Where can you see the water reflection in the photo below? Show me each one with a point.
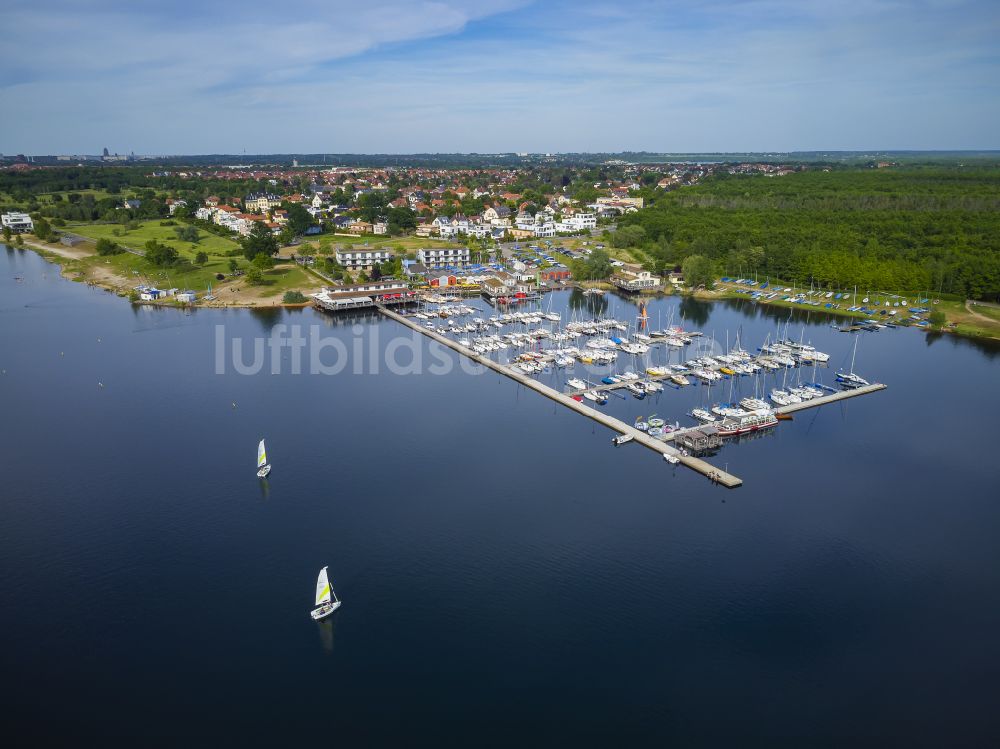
(592, 304)
(268, 317)
(326, 629)
(695, 310)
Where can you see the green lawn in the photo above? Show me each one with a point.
(188, 276)
(182, 276)
(288, 278)
(137, 238)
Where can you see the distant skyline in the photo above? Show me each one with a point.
(387, 76)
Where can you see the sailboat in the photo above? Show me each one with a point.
(324, 605)
(263, 467)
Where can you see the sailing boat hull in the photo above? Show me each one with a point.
(321, 612)
(262, 473)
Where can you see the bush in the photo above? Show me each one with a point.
(937, 318)
(293, 297)
(168, 222)
(201, 258)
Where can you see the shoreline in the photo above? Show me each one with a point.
(65, 257)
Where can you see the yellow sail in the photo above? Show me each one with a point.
(261, 455)
(322, 588)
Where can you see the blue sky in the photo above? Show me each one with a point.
(504, 75)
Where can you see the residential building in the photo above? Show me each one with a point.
(622, 204)
(444, 257)
(173, 205)
(362, 259)
(261, 202)
(18, 223)
(576, 223)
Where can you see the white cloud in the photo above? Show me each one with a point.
(715, 75)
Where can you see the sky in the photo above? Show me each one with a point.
(409, 76)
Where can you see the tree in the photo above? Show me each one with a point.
(263, 262)
(254, 276)
(698, 271)
(43, 230)
(937, 318)
(201, 258)
(188, 234)
(7, 234)
(233, 265)
(598, 266)
(299, 219)
(105, 246)
(376, 273)
(160, 254)
(628, 236)
(260, 241)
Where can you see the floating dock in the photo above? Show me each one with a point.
(660, 445)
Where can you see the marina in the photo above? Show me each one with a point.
(659, 438)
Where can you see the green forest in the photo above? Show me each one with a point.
(934, 229)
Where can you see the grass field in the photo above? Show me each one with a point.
(210, 243)
(277, 281)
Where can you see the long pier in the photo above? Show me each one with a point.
(832, 397)
(660, 445)
(697, 464)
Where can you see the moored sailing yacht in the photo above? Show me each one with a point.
(702, 415)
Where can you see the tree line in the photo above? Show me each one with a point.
(908, 229)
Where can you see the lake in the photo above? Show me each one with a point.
(509, 578)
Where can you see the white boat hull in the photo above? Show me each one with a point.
(321, 612)
(262, 473)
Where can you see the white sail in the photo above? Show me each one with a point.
(322, 588)
(261, 455)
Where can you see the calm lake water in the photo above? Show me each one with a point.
(509, 578)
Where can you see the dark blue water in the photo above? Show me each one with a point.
(508, 577)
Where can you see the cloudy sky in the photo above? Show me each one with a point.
(401, 76)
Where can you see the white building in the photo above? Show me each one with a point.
(362, 259)
(443, 257)
(629, 281)
(579, 222)
(18, 223)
